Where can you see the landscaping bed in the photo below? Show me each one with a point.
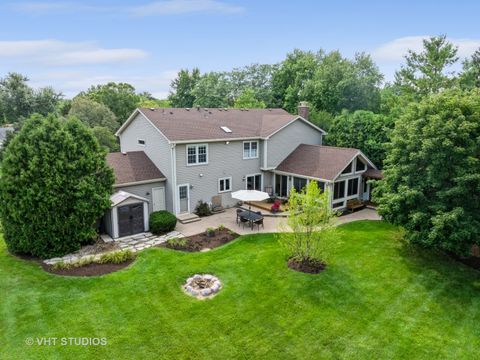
(209, 239)
(306, 266)
(93, 269)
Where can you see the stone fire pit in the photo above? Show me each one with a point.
(202, 286)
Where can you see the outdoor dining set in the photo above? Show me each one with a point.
(249, 217)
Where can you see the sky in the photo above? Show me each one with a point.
(71, 45)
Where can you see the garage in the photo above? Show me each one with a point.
(127, 216)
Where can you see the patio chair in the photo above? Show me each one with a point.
(259, 222)
(276, 206)
(239, 211)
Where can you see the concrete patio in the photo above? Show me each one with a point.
(272, 224)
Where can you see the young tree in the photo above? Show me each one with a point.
(431, 182)
(247, 100)
(55, 185)
(363, 130)
(181, 94)
(311, 220)
(93, 114)
(120, 98)
(426, 72)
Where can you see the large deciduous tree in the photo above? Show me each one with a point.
(470, 76)
(213, 90)
(120, 98)
(55, 185)
(92, 113)
(363, 130)
(18, 100)
(431, 180)
(427, 72)
(181, 94)
(247, 100)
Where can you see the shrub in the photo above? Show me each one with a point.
(210, 232)
(202, 209)
(116, 257)
(162, 222)
(55, 185)
(177, 242)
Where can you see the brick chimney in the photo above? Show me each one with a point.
(303, 109)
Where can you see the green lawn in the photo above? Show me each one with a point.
(375, 300)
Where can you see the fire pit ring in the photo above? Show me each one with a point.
(202, 286)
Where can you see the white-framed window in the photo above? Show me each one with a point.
(197, 154)
(250, 149)
(348, 170)
(352, 188)
(225, 184)
(339, 190)
(141, 142)
(360, 165)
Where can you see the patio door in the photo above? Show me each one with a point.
(183, 199)
(281, 185)
(254, 182)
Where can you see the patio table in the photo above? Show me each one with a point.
(250, 216)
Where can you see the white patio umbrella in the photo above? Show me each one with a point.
(250, 195)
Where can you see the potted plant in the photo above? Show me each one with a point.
(210, 232)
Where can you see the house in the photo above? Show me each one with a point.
(173, 158)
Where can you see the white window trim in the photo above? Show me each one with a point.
(224, 178)
(358, 188)
(344, 191)
(250, 150)
(261, 180)
(360, 171)
(196, 146)
(351, 172)
(346, 197)
(144, 142)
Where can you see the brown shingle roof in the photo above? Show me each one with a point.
(373, 174)
(322, 162)
(179, 124)
(133, 167)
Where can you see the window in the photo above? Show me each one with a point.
(339, 190)
(224, 184)
(250, 149)
(299, 183)
(348, 169)
(254, 182)
(352, 187)
(141, 142)
(337, 204)
(197, 154)
(360, 165)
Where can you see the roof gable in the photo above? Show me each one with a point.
(318, 161)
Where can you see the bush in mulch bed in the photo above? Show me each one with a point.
(107, 263)
(309, 266)
(209, 239)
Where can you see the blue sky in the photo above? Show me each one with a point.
(71, 45)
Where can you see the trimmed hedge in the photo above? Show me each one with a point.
(162, 222)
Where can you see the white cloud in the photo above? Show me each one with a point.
(155, 8)
(395, 50)
(72, 82)
(55, 52)
(183, 6)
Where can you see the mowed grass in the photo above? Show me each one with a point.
(376, 299)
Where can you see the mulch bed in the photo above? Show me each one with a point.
(472, 261)
(307, 266)
(201, 241)
(87, 270)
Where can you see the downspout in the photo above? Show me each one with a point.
(173, 159)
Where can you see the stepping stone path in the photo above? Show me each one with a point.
(133, 243)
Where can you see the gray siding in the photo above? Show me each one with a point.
(223, 161)
(281, 144)
(142, 190)
(156, 147)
